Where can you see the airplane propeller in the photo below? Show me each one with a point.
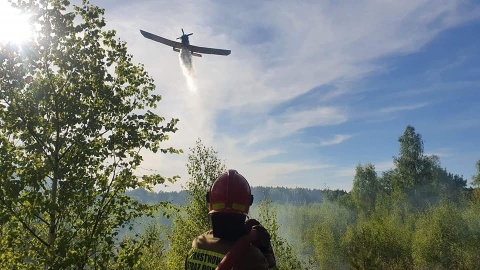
(184, 34)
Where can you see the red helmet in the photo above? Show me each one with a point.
(230, 193)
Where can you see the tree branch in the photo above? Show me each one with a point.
(25, 225)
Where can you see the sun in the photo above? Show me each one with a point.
(14, 26)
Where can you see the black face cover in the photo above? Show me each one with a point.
(228, 226)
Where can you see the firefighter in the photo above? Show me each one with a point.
(233, 242)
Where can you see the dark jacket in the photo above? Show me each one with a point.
(208, 251)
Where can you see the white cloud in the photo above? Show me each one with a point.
(280, 50)
(293, 121)
(275, 174)
(345, 172)
(393, 109)
(339, 138)
(258, 172)
(382, 166)
(349, 171)
(440, 153)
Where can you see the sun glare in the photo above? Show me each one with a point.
(14, 26)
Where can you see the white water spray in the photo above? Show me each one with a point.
(188, 70)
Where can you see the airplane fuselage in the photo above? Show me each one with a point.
(185, 40)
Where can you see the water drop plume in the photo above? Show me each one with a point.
(188, 70)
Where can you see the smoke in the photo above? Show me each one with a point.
(188, 70)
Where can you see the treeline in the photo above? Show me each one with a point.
(414, 216)
(279, 195)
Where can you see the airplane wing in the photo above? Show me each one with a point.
(209, 50)
(162, 40)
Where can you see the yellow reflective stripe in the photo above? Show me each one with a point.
(213, 253)
(239, 207)
(218, 206)
(197, 257)
(235, 206)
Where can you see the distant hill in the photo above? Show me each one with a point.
(145, 196)
(280, 195)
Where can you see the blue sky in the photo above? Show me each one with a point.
(313, 88)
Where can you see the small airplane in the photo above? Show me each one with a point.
(177, 46)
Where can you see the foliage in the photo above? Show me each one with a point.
(417, 179)
(284, 195)
(327, 230)
(449, 187)
(278, 195)
(74, 114)
(285, 256)
(365, 188)
(333, 195)
(145, 196)
(293, 219)
(11, 256)
(191, 220)
(145, 251)
(476, 177)
(413, 177)
(471, 217)
(381, 242)
(383, 223)
(439, 239)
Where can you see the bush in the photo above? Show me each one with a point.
(379, 243)
(440, 236)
